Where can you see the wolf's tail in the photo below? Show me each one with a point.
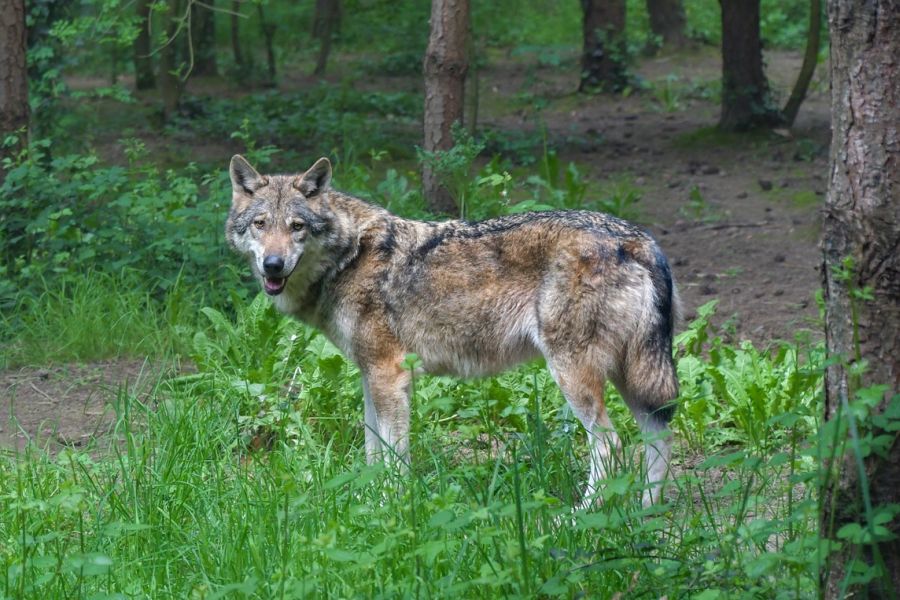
(650, 378)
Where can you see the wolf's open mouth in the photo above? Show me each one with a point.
(274, 285)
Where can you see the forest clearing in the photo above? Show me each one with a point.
(166, 432)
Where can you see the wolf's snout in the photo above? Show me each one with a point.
(273, 265)
(273, 279)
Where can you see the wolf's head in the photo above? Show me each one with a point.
(276, 219)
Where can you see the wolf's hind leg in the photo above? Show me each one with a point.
(583, 388)
(386, 394)
(657, 452)
(650, 390)
(654, 426)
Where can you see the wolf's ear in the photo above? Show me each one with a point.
(244, 178)
(317, 179)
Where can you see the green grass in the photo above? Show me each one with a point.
(176, 505)
(712, 137)
(806, 198)
(181, 509)
(93, 316)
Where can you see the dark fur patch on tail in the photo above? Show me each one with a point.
(661, 276)
(652, 379)
(664, 414)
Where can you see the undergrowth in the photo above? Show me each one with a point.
(248, 479)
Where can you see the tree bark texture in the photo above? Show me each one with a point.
(603, 57)
(144, 77)
(862, 221)
(746, 102)
(203, 38)
(13, 74)
(667, 21)
(445, 75)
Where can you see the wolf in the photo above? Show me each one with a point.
(591, 293)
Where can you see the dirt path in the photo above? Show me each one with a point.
(68, 405)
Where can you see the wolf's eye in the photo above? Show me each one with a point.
(259, 223)
(297, 226)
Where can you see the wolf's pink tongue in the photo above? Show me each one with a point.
(274, 285)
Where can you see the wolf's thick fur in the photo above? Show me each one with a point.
(591, 293)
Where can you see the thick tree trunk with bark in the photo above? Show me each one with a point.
(203, 38)
(862, 221)
(13, 74)
(445, 75)
(603, 57)
(667, 21)
(144, 77)
(746, 102)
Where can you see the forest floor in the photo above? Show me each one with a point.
(738, 215)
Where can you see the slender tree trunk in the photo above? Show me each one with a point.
(144, 78)
(325, 23)
(445, 75)
(203, 38)
(13, 76)
(809, 64)
(268, 32)
(667, 21)
(746, 102)
(170, 84)
(862, 222)
(603, 58)
(236, 34)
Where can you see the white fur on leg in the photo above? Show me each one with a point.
(373, 439)
(395, 437)
(657, 451)
(387, 431)
(603, 445)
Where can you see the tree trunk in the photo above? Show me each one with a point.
(13, 76)
(144, 78)
(170, 84)
(604, 55)
(236, 34)
(810, 58)
(667, 22)
(268, 32)
(746, 102)
(445, 75)
(203, 38)
(325, 23)
(862, 303)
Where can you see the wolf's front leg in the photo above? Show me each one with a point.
(386, 394)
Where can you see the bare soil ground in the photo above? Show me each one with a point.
(69, 405)
(738, 215)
